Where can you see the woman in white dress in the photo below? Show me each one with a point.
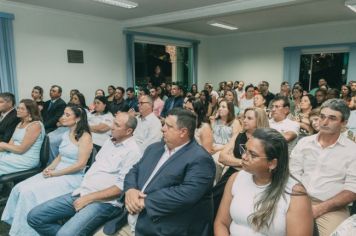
(62, 176)
(263, 199)
(100, 122)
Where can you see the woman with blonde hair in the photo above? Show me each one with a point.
(231, 156)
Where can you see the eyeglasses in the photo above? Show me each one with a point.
(277, 106)
(140, 103)
(248, 154)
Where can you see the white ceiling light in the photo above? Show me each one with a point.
(223, 25)
(351, 4)
(119, 3)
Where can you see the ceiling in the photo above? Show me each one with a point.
(193, 15)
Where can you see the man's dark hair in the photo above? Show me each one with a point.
(185, 119)
(130, 89)
(121, 89)
(281, 98)
(59, 88)
(145, 91)
(8, 97)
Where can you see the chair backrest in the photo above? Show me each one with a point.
(91, 159)
(44, 153)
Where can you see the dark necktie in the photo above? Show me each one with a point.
(50, 105)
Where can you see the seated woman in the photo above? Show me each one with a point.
(224, 126)
(100, 122)
(314, 119)
(307, 104)
(37, 96)
(263, 199)
(231, 96)
(203, 132)
(23, 150)
(62, 176)
(55, 137)
(231, 155)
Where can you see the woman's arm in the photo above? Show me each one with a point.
(100, 128)
(32, 132)
(227, 157)
(85, 146)
(299, 215)
(206, 137)
(236, 127)
(223, 219)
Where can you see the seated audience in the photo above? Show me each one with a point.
(284, 90)
(333, 93)
(118, 104)
(263, 87)
(205, 99)
(23, 150)
(231, 155)
(53, 109)
(94, 202)
(297, 94)
(55, 137)
(345, 93)
(314, 119)
(321, 84)
(230, 96)
(247, 99)
(280, 121)
(158, 103)
(307, 103)
(131, 99)
(325, 163)
(262, 198)
(320, 96)
(169, 191)
(8, 116)
(111, 94)
(203, 133)
(62, 176)
(224, 126)
(37, 96)
(259, 102)
(100, 122)
(148, 129)
(176, 100)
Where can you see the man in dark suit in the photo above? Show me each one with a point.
(8, 116)
(169, 191)
(53, 109)
(176, 100)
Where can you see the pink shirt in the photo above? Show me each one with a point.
(158, 106)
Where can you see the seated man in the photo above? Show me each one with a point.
(148, 129)
(53, 109)
(176, 100)
(169, 191)
(8, 117)
(280, 122)
(93, 202)
(326, 164)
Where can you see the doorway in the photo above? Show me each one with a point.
(330, 66)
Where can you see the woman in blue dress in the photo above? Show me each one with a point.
(23, 150)
(62, 176)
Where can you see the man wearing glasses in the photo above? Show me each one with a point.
(148, 129)
(325, 163)
(280, 122)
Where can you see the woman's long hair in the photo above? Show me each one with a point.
(231, 114)
(82, 125)
(32, 109)
(275, 147)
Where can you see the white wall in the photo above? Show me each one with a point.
(42, 38)
(257, 56)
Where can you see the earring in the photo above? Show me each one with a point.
(29, 119)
